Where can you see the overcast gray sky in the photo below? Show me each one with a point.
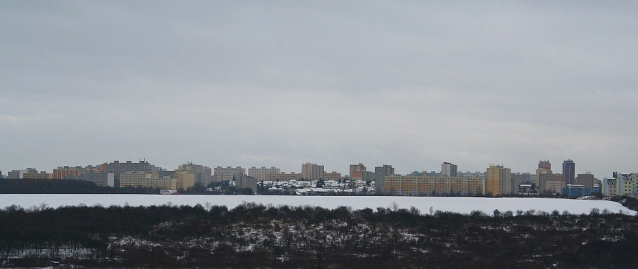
(280, 83)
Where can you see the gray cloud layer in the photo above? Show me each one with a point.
(261, 83)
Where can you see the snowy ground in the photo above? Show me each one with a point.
(424, 204)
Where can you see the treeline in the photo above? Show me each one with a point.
(258, 236)
(64, 186)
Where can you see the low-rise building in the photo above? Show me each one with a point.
(574, 190)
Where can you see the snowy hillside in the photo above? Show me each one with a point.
(424, 204)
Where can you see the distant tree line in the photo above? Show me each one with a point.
(64, 186)
(259, 236)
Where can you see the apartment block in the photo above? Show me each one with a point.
(117, 168)
(19, 174)
(544, 167)
(227, 173)
(67, 172)
(147, 179)
(32, 174)
(586, 180)
(184, 179)
(312, 171)
(102, 179)
(380, 174)
(356, 168)
(551, 183)
(366, 176)
(498, 181)
(203, 174)
(448, 169)
(244, 181)
(332, 176)
(283, 177)
(434, 185)
(260, 173)
(611, 186)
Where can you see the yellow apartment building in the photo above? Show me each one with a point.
(184, 179)
(434, 185)
(498, 180)
(147, 179)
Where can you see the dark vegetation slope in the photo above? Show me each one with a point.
(258, 236)
(626, 201)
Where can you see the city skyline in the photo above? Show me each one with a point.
(411, 84)
(308, 166)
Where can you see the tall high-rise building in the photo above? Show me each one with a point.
(545, 164)
(312, 171)
(498, 180)
(380, 172)
(544, 167)
(569, 171)
(356, 167)
(448, 169)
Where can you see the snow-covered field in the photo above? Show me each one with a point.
(424, 204)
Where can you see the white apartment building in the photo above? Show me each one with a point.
(260, 173)
(227, 173)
